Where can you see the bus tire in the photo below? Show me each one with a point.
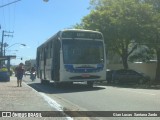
(44, 81)
(68, 83)
(90, 83)
(57, 84)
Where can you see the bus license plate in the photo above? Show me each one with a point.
(85, 75)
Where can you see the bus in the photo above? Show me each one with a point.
(72, 55)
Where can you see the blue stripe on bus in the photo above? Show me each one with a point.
(70, 68)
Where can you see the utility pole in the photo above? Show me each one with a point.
(4, 35)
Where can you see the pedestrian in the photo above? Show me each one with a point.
(19, 71)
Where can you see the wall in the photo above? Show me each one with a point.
(147, 68)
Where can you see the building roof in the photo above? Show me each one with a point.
(7, 57)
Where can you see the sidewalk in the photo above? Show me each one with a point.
(22, 99)
(13, 98)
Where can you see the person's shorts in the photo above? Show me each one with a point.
(19, 76)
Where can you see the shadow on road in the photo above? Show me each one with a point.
(133, 86)
(50, 88)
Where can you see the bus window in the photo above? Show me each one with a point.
(83, 52)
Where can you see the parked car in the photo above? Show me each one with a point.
(129, 76)
(109, 75)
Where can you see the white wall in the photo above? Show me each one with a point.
(147, 68)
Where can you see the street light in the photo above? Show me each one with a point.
(45, 0)
(13, 45)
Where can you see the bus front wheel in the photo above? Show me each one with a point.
(90, 83)
(44, 81)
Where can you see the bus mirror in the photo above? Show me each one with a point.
(102, 60)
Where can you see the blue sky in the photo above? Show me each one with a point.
(34, 21)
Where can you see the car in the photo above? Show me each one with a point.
(27, 73)
(109, 75)
(129, 76)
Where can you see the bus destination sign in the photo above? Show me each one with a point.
(89, 35)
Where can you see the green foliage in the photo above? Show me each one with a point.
(153, 30)
(121, 22)
(143, 54)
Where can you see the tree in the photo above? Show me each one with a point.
(152, 32)
(120, 21)
(143, 54)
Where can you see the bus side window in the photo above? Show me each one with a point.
(50, 50)
(42, 53)
(38, 57)
(56, 59)
(45, 55)
(57, 49)
(58, 44)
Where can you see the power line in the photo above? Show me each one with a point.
(14, 16)
(4, 35)
(9, 3)
(8, 17)
(15, 2)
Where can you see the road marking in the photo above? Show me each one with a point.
(138, 92)
(54, 104)
(51, 102)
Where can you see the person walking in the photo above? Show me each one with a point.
(19, 71)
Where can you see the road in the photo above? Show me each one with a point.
(101, 98)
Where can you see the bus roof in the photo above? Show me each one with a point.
(65, 30)
(80, 30)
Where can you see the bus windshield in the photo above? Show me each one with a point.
(82, 51)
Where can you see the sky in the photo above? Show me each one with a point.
(34, 21)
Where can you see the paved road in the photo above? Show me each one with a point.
(102, 98)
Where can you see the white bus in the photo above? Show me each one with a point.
(72, 56)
